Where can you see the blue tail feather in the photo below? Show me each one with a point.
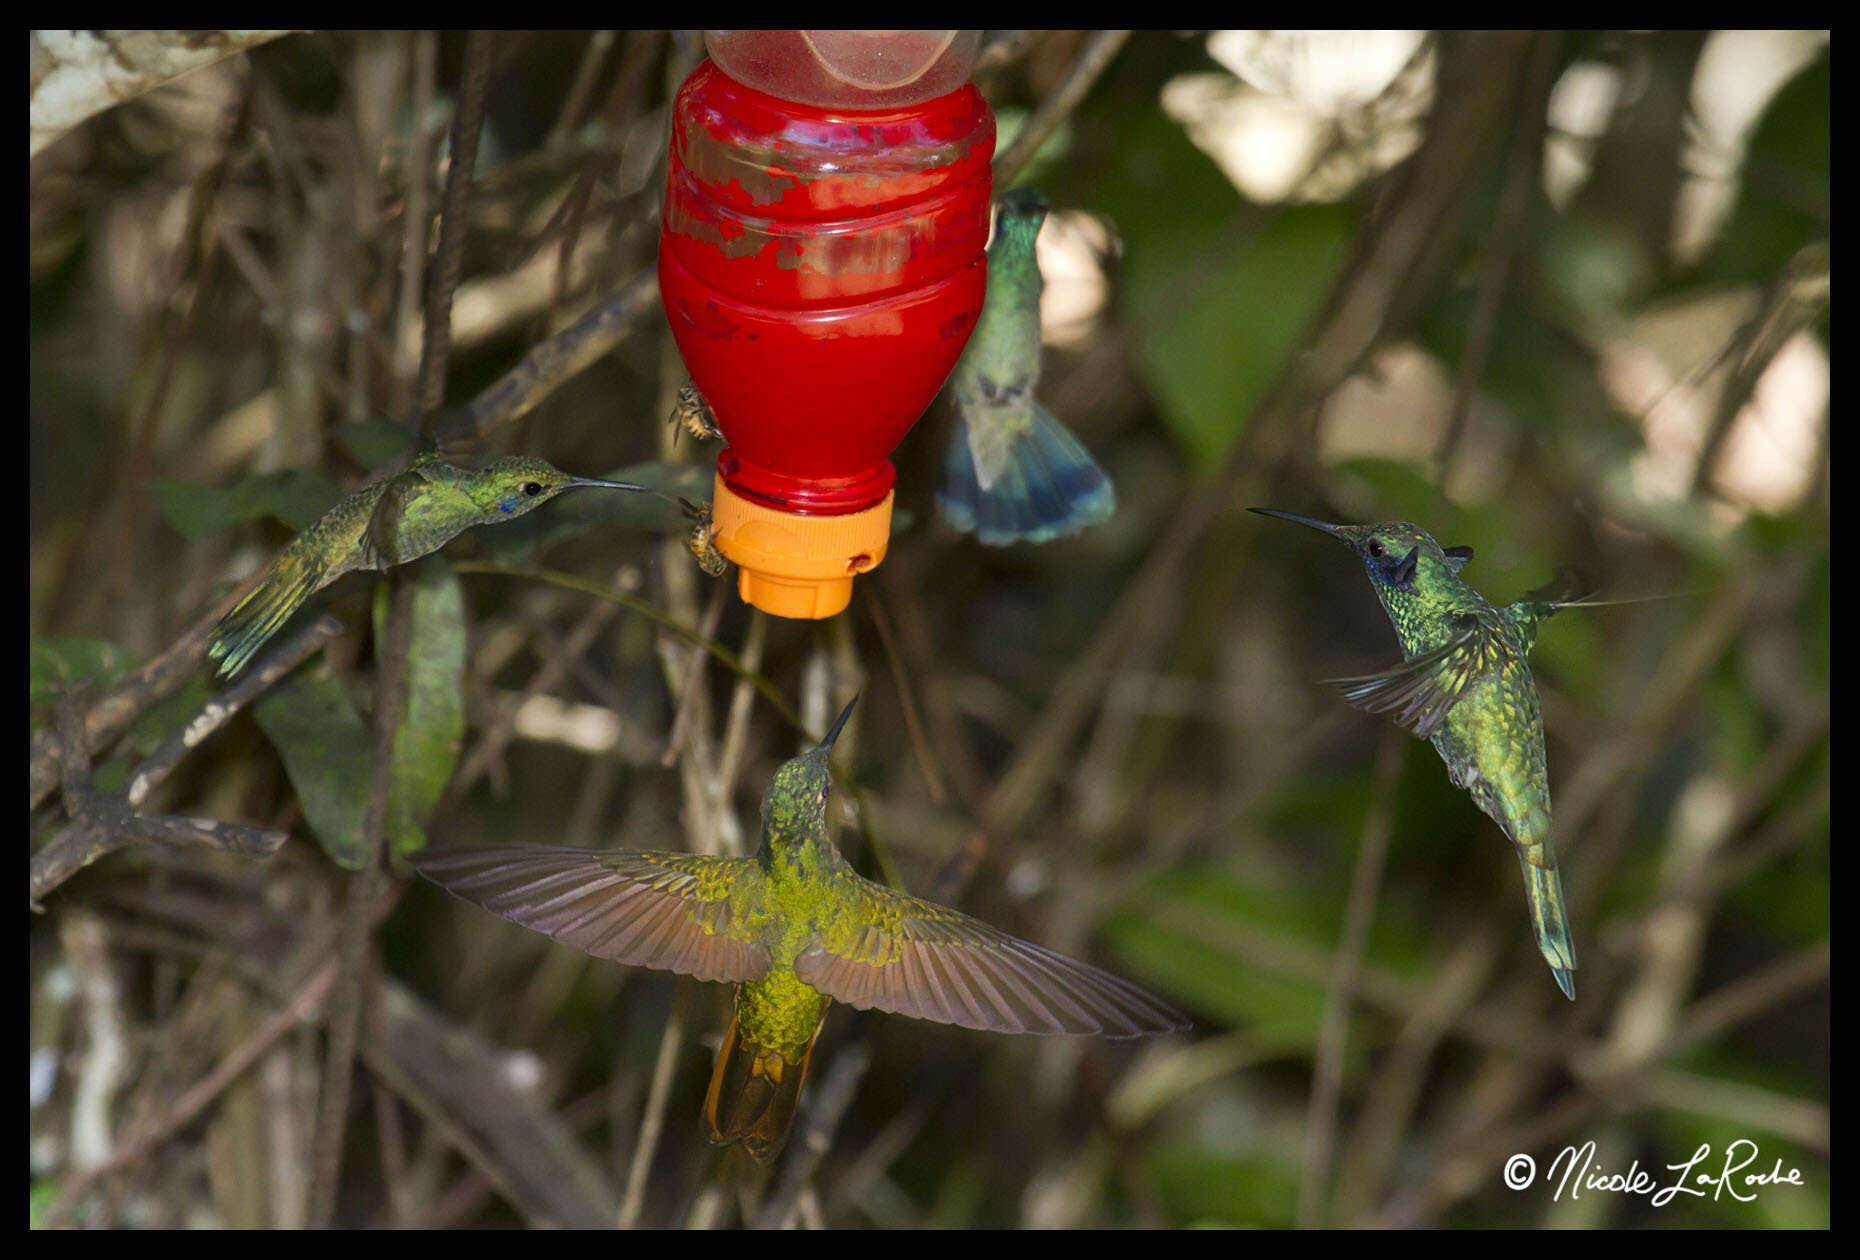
(1051, 487)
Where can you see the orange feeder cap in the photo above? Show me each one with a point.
(795, 565)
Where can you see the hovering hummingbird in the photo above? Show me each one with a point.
(1466, 685)
(1012, 472)
(395, 518)
(794, 928)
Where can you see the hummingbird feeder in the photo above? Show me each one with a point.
(822, 266)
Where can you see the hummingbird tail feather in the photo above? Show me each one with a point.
(753, 1090)
(1543, 890)
(1049, 486)
(244, 630)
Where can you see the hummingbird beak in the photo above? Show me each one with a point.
(605, 485)
(839, 724)
(1335, 531)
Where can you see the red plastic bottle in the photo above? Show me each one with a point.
(822, 267)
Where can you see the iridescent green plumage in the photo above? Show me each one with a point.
(795, 928)
(1012, 472)
(1465, 685)
(400, 516)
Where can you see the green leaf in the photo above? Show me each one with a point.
(1209, 935)
(377, 441)
(1784, 201)
(1209, 356)
(313, 724)
(294, 497)
(1214, 1189)
(56, 662)
(1217, 292)
(432, 725)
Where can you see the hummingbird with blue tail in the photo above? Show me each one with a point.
(1012, 472)
(400, 516)
(1465, 685)
(795, 929)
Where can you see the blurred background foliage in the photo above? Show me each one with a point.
(1562, 297)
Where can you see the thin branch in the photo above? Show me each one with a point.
(413, 242)
(145, 686)
(652, 1124)
(1333, 1037)
(101, 824)
(467, 122)
(694, 680)
(645, 608)
(1006, 48)
(1522, 172)
(223, 707)
(1058, 105)
(551, 363)
(195, 1100)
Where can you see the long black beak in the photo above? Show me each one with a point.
(607, 485)
(839, 724)
(1335, 531)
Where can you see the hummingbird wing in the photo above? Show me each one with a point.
(672, 911)
(408, 500)
(913, 957)
(1421, 691)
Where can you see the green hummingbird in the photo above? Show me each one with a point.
(794, 928)
(394, 518)
(1466, 686)
(1012, 472)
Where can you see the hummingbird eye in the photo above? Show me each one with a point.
(1376, 549)
(532, 488)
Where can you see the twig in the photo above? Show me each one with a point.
(101, 824)
(502, 728)
(1391, 1098)
(357, 927)
(1006, 48)
(736, 725)
(467, 122)
(900, 681)
(221, 709)
(195, 1100)
(143, 687)
(694, 680)
(1059, 103)
(645, 608)
(413, 241)
(1794, 302)
(1333, 1037)
(435, 352)
(600, 43)
(1522, 173)
(652, 1124)
(550, 363)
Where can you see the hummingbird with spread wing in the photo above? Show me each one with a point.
(795, 929)
(398, 517)
(1465, 685)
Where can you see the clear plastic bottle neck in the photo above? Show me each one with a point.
(852, 70)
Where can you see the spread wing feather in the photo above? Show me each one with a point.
(916, 958)
(1421, 691)
(671, 911)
